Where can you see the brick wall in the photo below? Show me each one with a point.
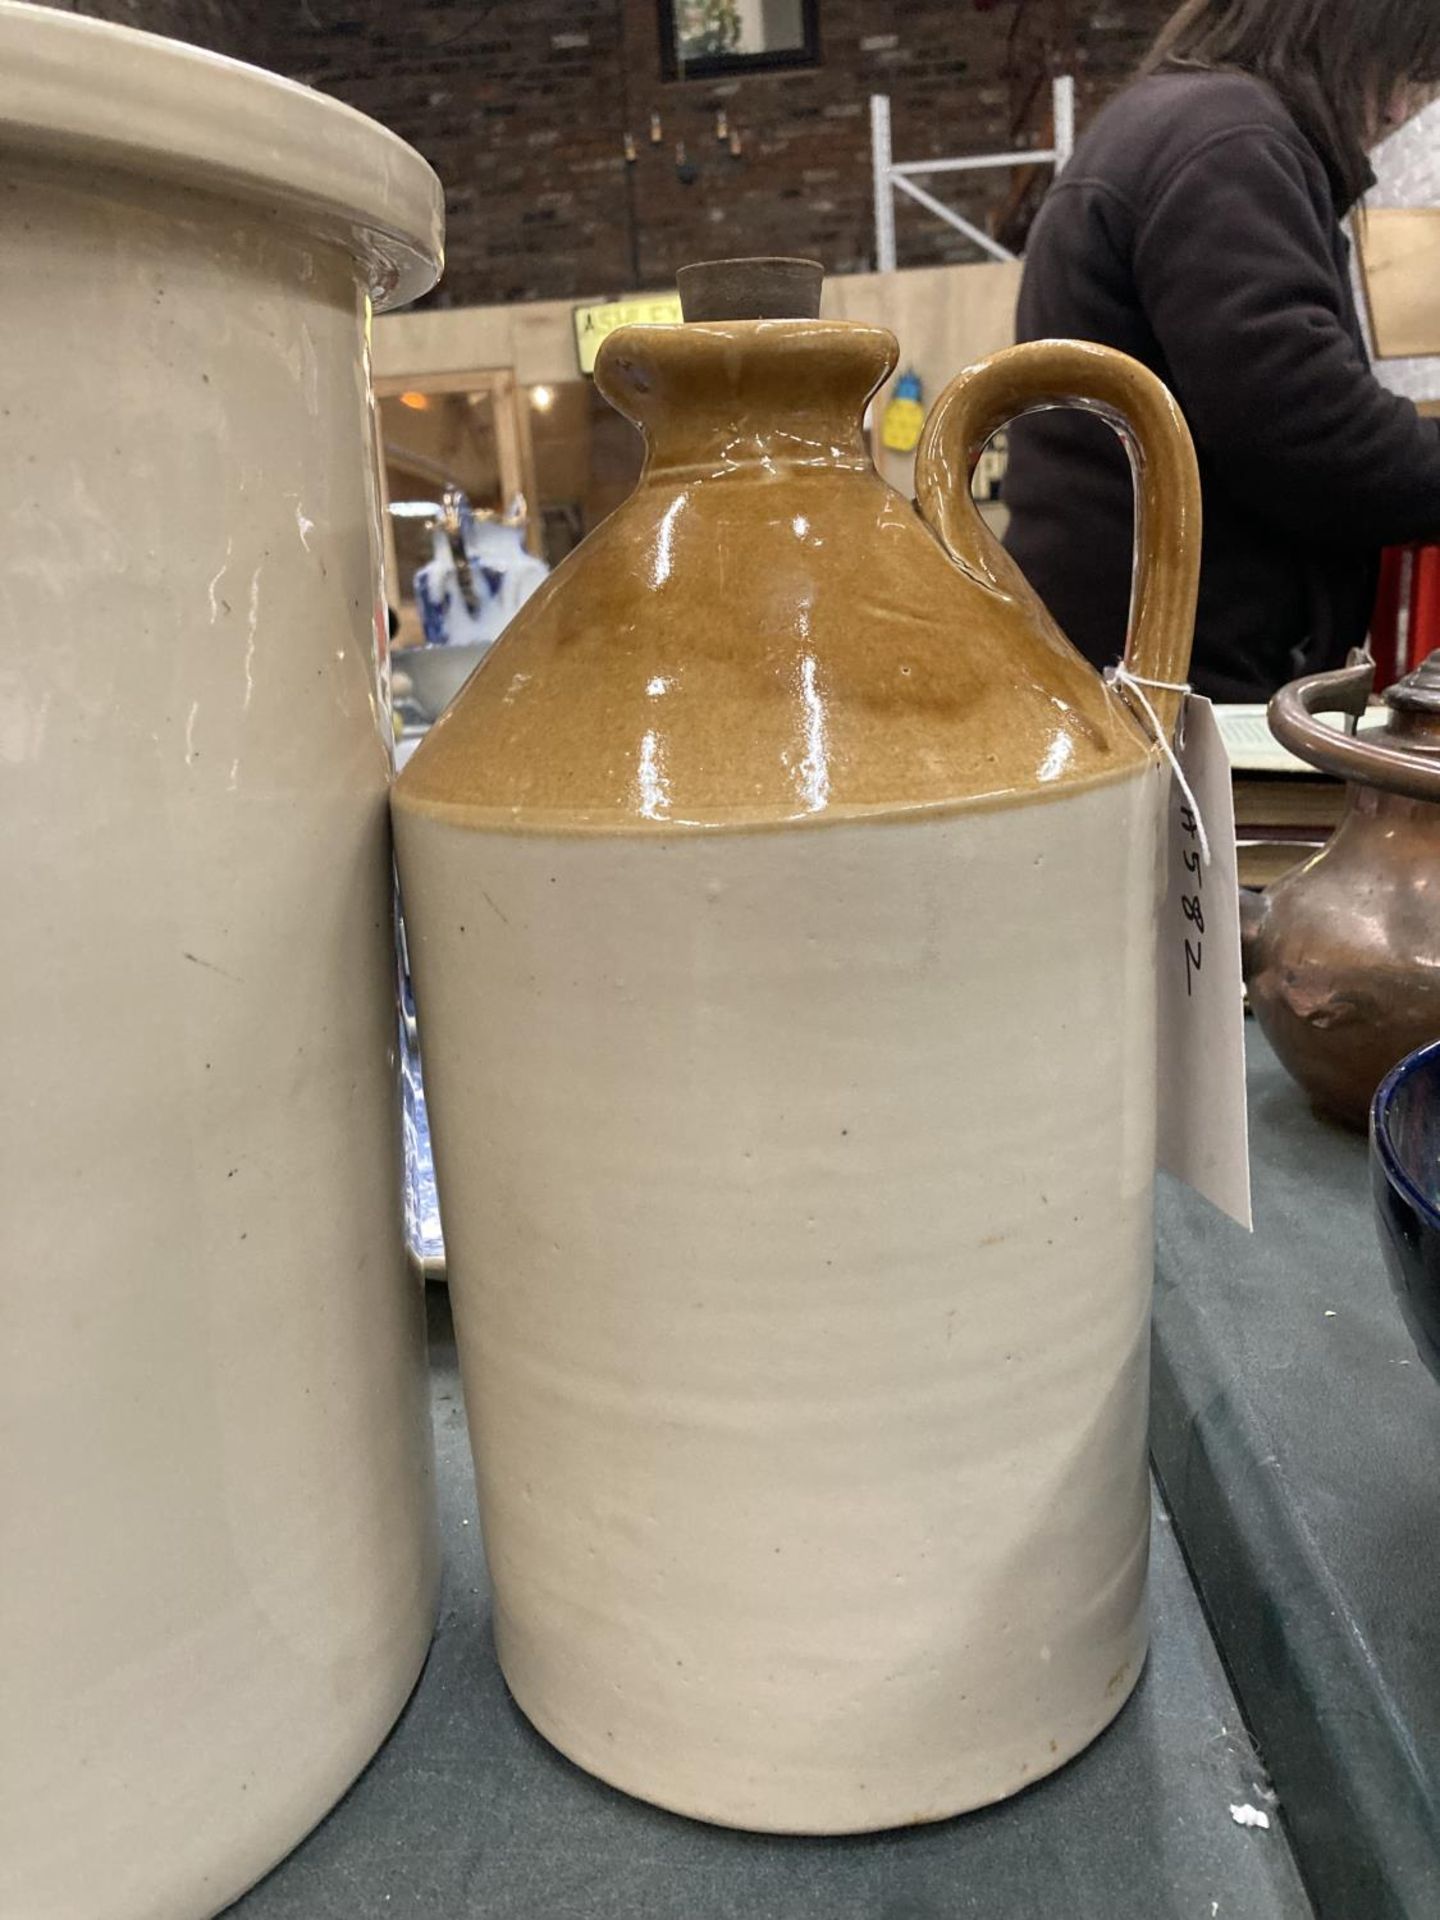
(517, 104)
(522, 107)
(225, 26)
(804, 182)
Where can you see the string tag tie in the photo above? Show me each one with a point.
(1134, 687)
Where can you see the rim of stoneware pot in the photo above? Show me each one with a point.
(1382, 1139)
(73, 88)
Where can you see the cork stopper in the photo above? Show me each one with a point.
(767, 288)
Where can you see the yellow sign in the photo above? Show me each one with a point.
(635, 310)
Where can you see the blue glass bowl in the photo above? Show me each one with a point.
(1405, 1178)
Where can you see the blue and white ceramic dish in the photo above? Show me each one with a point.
(1405, 1174)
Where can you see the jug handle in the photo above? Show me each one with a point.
(1370, 763)
(1128, 397)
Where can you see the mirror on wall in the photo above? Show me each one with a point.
(701, 38)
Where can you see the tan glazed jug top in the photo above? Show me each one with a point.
(766, 632)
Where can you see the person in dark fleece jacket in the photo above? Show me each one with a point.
(1198, 227)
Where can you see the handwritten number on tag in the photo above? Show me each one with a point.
(1201, 1130)
(1190, 903)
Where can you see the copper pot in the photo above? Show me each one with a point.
(1342, 956)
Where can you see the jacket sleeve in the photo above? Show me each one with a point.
(1235, 269)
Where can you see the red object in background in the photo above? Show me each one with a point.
(1424, 606)
(1386, 629)
(1405, 627)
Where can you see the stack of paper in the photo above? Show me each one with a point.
(1284, 809)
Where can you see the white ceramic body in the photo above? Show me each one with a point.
(216, 1500)
(797, 1199)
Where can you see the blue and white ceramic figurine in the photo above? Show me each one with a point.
(479, 574)
(448, 591)
(511, 574)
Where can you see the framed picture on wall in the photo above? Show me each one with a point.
(702, 38)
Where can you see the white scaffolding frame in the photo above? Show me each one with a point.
(892, 177)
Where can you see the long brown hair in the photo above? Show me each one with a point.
(1331, 62)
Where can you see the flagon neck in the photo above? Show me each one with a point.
(720, 396)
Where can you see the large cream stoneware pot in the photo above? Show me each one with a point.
(216, 1527)
(781, 895)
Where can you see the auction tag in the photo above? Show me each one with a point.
(1204, 1134)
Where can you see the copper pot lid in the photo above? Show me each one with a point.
(1419, 692)
(1402, 757)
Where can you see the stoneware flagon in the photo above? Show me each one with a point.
(782, 898)
(216, 1492)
